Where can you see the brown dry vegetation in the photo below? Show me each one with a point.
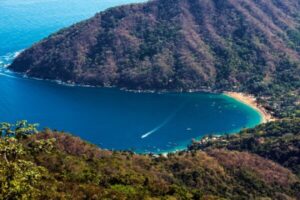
(238, 45)
(269, 171)
(80, 170)
(55, 165)
(278, 141)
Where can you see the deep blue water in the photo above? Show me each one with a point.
(110, 118)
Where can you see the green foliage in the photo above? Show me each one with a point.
(173, 45)
(20, 130)
(20, 178)
(278, 141)
(294, 35)
(53, 165)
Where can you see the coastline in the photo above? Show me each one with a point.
(244, 98)
(247, 99)
(252, 102)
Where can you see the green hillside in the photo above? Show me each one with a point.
(53, 165)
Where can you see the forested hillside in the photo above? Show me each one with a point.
(237, 45)
(53, 165)
(248, 46)
(278, 141)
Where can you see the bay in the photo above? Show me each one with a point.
(110, 118)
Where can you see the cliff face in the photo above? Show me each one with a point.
(174, 44)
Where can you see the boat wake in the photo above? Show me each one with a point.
(167, 120)
(158, 127)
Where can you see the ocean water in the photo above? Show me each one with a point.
(110, 118)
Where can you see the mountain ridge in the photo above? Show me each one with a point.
(249, 46)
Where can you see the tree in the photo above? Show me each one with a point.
(19, 178)
(20, 130)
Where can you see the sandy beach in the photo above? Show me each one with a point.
(251, 101)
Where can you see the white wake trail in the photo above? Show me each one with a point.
(157, 128)
(169, 118)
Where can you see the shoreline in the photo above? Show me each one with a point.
(247, 99)
(244, 98)
(252, 102)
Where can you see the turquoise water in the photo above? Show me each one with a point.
(110, 118)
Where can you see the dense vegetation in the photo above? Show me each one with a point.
(238, 45)
(215, 45)
(53, 165)
(278, 141)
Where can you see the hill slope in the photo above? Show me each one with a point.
(278, 141)
(53, 165)
(250, 46)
